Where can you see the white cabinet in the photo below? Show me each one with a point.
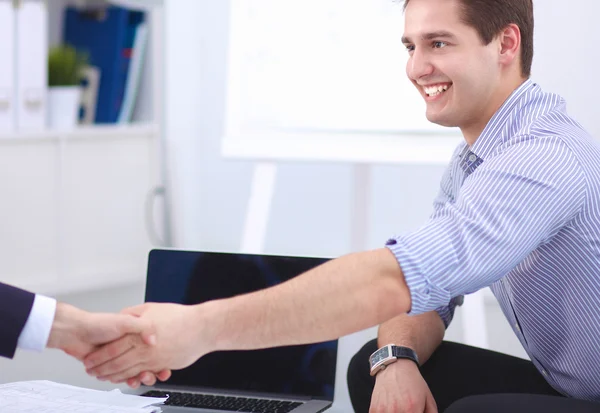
(75, 211)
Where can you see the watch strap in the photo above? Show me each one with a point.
(405, 353)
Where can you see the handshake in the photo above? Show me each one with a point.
(140, 345)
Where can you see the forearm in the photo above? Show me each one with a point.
(337, 298)
(423, 333)
(65, 324)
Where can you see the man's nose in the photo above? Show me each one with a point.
(418, 65)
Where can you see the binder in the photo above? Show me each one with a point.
(107, 34)
(32, 65)
(134, 74)
(7, 68)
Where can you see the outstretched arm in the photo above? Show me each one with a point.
(337, 298)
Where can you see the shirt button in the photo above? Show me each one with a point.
(545, 373)
(472, 158)
(517, 327)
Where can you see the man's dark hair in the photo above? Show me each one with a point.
(490, 17)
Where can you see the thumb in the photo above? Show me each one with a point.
(136, 311)
(138, 325)
(142, 326)
(129, 324)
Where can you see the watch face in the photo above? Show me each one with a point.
(380, 355)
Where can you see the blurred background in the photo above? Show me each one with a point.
(230, 125)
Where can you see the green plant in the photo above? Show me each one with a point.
(65, 65)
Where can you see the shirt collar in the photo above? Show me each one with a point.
(496, 130)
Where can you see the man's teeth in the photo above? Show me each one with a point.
(436, 90)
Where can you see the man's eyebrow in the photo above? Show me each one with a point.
(442, 34)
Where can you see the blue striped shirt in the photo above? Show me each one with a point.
(519, 211)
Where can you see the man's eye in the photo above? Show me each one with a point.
(410, 48)
(439, 45)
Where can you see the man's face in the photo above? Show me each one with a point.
(449, 65)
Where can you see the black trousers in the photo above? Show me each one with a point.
(496, 382)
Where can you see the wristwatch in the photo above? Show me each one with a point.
(389, 354)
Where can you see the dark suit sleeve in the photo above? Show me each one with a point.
(15, 306)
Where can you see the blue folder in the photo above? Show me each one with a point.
(107, 34)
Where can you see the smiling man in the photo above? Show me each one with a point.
(518, 210)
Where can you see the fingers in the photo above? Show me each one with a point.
(164, 375)
(134, 383)
(123, 375)
(126, 366)
(148, 378)
(108, 352)
(430, 405)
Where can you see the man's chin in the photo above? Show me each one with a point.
(441, 120)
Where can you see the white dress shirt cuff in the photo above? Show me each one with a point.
(39, 323)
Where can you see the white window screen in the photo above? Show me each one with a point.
(332, 68)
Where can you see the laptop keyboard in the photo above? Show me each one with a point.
(227, 403)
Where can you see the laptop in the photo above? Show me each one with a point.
(295, 379)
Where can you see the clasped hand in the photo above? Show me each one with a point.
(173, 343)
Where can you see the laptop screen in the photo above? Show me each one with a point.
(190, 277)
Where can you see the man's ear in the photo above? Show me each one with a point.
(509, 44)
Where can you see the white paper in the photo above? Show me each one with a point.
(48, 397)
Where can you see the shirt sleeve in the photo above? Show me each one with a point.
(446, 312)
(509, 206)
(36, 332)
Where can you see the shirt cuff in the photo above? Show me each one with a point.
(36, 332)
(447, 313)
(424, 257)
